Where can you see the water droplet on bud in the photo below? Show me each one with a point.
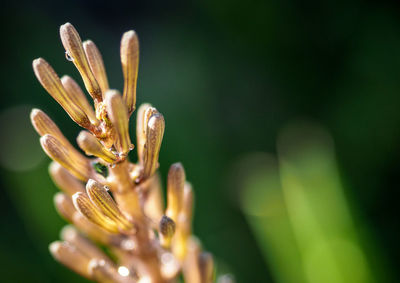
(68, 57)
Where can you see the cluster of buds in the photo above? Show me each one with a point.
(111, 202)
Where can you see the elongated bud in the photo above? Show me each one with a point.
(187, 207)
(96, 64)
(71, 257)
(175, 186)
(64, 180)
(118, 115)
(91, 146)
(79, 97)
(206, 266)
(130, 64)
(51, 82)
(154, 136)
(73, 46)
(167, 230)
(64, 206)
(71, 235)
(105, 203)
(83, 204)
(78, 166)
(141, 127)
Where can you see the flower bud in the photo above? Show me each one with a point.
(73, 46)
(175, 187)
(91, 146)
(64, 180)
(96, 64)
(83, 204)
(118, 115)
(130, 64)
(52, 83)
(167, 230)
(79, 97)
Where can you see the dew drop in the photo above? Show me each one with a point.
(107, 188)
(131, 147)
(68, 56)
(112, 165)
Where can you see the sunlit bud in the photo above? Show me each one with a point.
(118, 115)
(83, 204)
(141, 126)
(71, 235)
(130, 64)
(187, 207)
(167, 230)
(64, 206)
(96, 64)
(78, 165)
(91, 146)
(206, 266)
(79, 97)
(105, 203)
(154, 136)
(73, 46)
(93, 231)
(52, 83)
(175, 186)
(71, 257)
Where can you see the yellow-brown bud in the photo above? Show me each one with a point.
(96, 64)
(64, 180)
(175, 187)
(73, 46)
(130, 64)
(91, 146)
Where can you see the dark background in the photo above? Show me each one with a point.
(227, 75)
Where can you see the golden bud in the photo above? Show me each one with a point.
(91, 146)
(175, 187)
(79, 97)
(167, 230)
(64, 180)
(44, 125)
(78, 165)
(154, 136)
(130, 64)
(52, 83)
(83, 204)
(73, 46)
(105, 203)
(71, 257)
(141, 126)
(64, 206)
(118, 115)
(96, 64)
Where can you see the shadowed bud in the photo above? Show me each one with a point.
(71, 235)
(96, 64)
(206, 267)
(141, 126)
(175, 186)
(79, 97)
(64, 206)
(52, 83)
(83, 204)
(154, 201)
(91, 146)
(167, 230)
(105, 203)
(78, 165)
(73, 46)
(64, 180)
(154, 136)
(93, 231)
(44, 125)
(71, 257)
(118, 115)
(130, 64)
(101, 271)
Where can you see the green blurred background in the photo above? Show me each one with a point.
(228, 77)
